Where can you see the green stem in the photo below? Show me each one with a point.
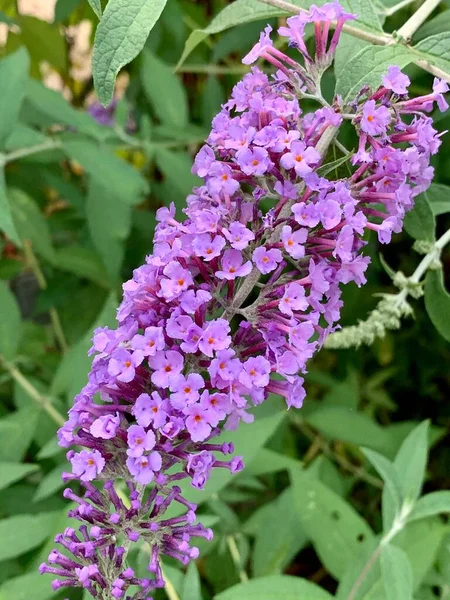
(169, 588)
(235, 555)
(407, 30)
(214, 69)
(393, 9)
(23, 152)
(42, 282)
(29, 388)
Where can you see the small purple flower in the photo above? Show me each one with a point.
(87, 464)
(150, 409)
(293, 299)
(440, 87)
(215, 337)
(177, 280)
(330, 213)
(198, 422)
(143, 467)
(300, 158)
(203, 161)
(238, 235)
(267, 260)
(139, 441)
(220, 179)
(306, 214)
(254, 162)
(344, 244)
(396, 81)
(105, 427)
(225, 365)
(293, 241)
(232, 266)
(264, 44)
(218, 405)
(208, 247)
(166, 365)
(186, 390)
(375, 120)
(256, 372)
(122, 364)
(149, 343)
(200, 466)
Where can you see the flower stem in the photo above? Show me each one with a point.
(235, 555)
(29, 388)
(407, 30)
(169, 588)
(23, 152)
(42, 282)
(381, 38)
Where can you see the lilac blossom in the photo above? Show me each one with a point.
(233, 302)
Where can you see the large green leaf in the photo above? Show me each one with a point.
(437, 302)
(13, 75)
(164, 90)
(281, 537)
(96, 6)
(275, 586)
(368, 67)
(438, 197)
(334, 527)
(430, 505)
(119, 38)
(83, 262)
(31, 223)
(9, 323)
(191, 584)
(22, 533)
(20, 427)
(50, 483)
(341, 423)
(411, 461)
(419, 222)
(19, 587)
(109, 228)
(435, 49)
(439, 24)
(397, 573)
(11, 472)
(44, 41)
(106, 169)
(6, 218)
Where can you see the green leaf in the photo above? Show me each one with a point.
(411, 460)
(334, 164)
(392, 491)
(6, 219)
(342, 423)
(280, 539)
(236, 13)
(176, 167)
(108, 228)
(120, 36)
(21, 426)
(397, 573)
(437, 302)
(334, 527)
(10, 322)
(82, 262)
(106, 169)
(19, 587)
(96, 7)
(31, 224)
(431, 504)
(438, 197)
(164, 91)
(24, 137)
(191, 584)
(275, 586)
(268, 461)
(22, 533)
(64, 8)
(367, 16)
(50, 483)
(11, 472)
(45, 104)
(43, 41)
(13, 75)
(368, 67)
(435, 49)
(419, 222)
(439, 24)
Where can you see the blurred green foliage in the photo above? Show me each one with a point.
(77, 212)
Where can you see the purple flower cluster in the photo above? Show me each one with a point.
(233, 301)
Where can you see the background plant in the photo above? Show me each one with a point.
(77, 209)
